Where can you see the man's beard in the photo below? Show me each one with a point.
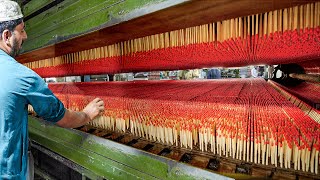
(15, 49)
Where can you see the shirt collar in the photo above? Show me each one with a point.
(3, 53)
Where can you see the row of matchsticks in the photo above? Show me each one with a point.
(244, 119)
(276, 37)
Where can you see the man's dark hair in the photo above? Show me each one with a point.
(10, 25)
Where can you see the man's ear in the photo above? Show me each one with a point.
(6, 34)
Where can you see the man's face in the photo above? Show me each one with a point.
(19, 35)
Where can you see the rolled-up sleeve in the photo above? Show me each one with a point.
(43, 101)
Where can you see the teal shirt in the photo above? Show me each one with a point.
(20, 86)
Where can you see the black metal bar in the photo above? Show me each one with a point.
(24, 2)
(48, 6)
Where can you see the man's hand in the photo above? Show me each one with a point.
(94, 108)
(73, 119)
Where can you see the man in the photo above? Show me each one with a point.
(21, 86)
(214, 73)
(254, 72)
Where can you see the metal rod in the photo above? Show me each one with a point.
(306, 77)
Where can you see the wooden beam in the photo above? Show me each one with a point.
(306, 77)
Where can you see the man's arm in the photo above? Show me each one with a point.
(73, 119)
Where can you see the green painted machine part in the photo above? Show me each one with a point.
(33, 6)
(108, 159)
(72, 18)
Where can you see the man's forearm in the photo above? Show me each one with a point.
(73, 119)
